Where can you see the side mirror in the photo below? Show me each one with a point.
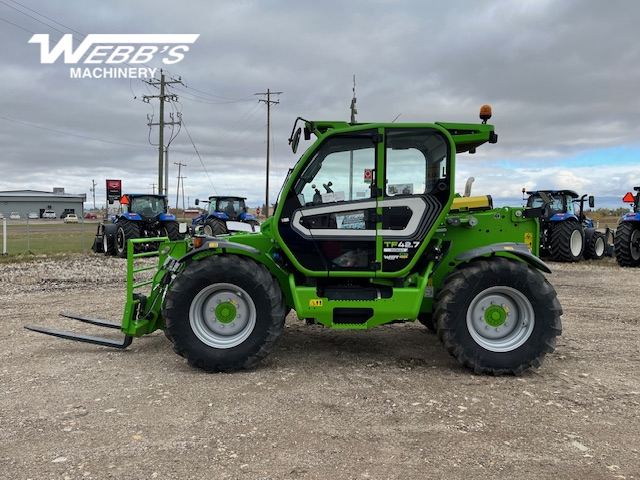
(296, 140)
(592, 201)
(197, 202)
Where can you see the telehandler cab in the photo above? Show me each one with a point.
(388, 240)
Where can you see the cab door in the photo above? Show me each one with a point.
(417, 186)
(329, 218)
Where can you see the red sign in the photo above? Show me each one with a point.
(368, 175)
(114, 190)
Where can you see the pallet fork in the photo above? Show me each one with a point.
(142, 312)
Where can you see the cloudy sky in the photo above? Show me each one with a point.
(563, 79)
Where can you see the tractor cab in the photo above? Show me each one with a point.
(366, 199)
(147, 206)
(224, 215)
(232, 207)
(558, 205)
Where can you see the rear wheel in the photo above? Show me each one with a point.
(498, 316)
(126, 230)
(213, 227)
(224, 313)
(171, 230)
(626, 244)
(567, 241)
(596, 246)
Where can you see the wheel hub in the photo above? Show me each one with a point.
(226, 312)
(495, 316)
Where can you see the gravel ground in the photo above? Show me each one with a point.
(388, 403)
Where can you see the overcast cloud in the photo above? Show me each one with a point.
(562, 78)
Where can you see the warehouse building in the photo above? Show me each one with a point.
(27, 201)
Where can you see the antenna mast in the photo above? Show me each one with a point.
(353, 102)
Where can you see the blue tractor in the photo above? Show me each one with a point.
(566, 234)
(142, 216)
(627, 238)
(224, 214)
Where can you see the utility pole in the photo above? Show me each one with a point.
(179, 164)
(353, 121)
(268, 101)
(93, 190)
(162, 179)
(153, 186)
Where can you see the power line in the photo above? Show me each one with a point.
(71, 134)
(199, 157)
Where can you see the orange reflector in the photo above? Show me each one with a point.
(628, 198)
(197, 242)
(124, 200)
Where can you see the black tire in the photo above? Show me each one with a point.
(596, 246)
(566, 243)
(214, 227)
(626, 244)
(426, 319)
(126, 230)
(224, 313)
(172, 230)
(108, 239)
(498, 316)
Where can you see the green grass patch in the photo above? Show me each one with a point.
(45, 238)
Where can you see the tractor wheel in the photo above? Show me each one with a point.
(626, 244)
(126, 230)
(498, 316)
(567, 242)
(108, 239)
(213, 227)
(171, 230)
(224, 313)
(426, 319)
(596, 246)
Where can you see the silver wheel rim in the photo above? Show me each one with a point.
(121, 240)
(105, 243)
(599, 247)
(207, 230)
(500, 319)
(575, 243)
(222, 315)
(635, 251)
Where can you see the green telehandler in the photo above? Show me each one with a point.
(385, 240)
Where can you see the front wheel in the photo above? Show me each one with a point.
(498, 316)
(596, 246)
(566, 243)
(214, 227)
(224, 313)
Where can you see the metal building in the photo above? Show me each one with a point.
(27, 201)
